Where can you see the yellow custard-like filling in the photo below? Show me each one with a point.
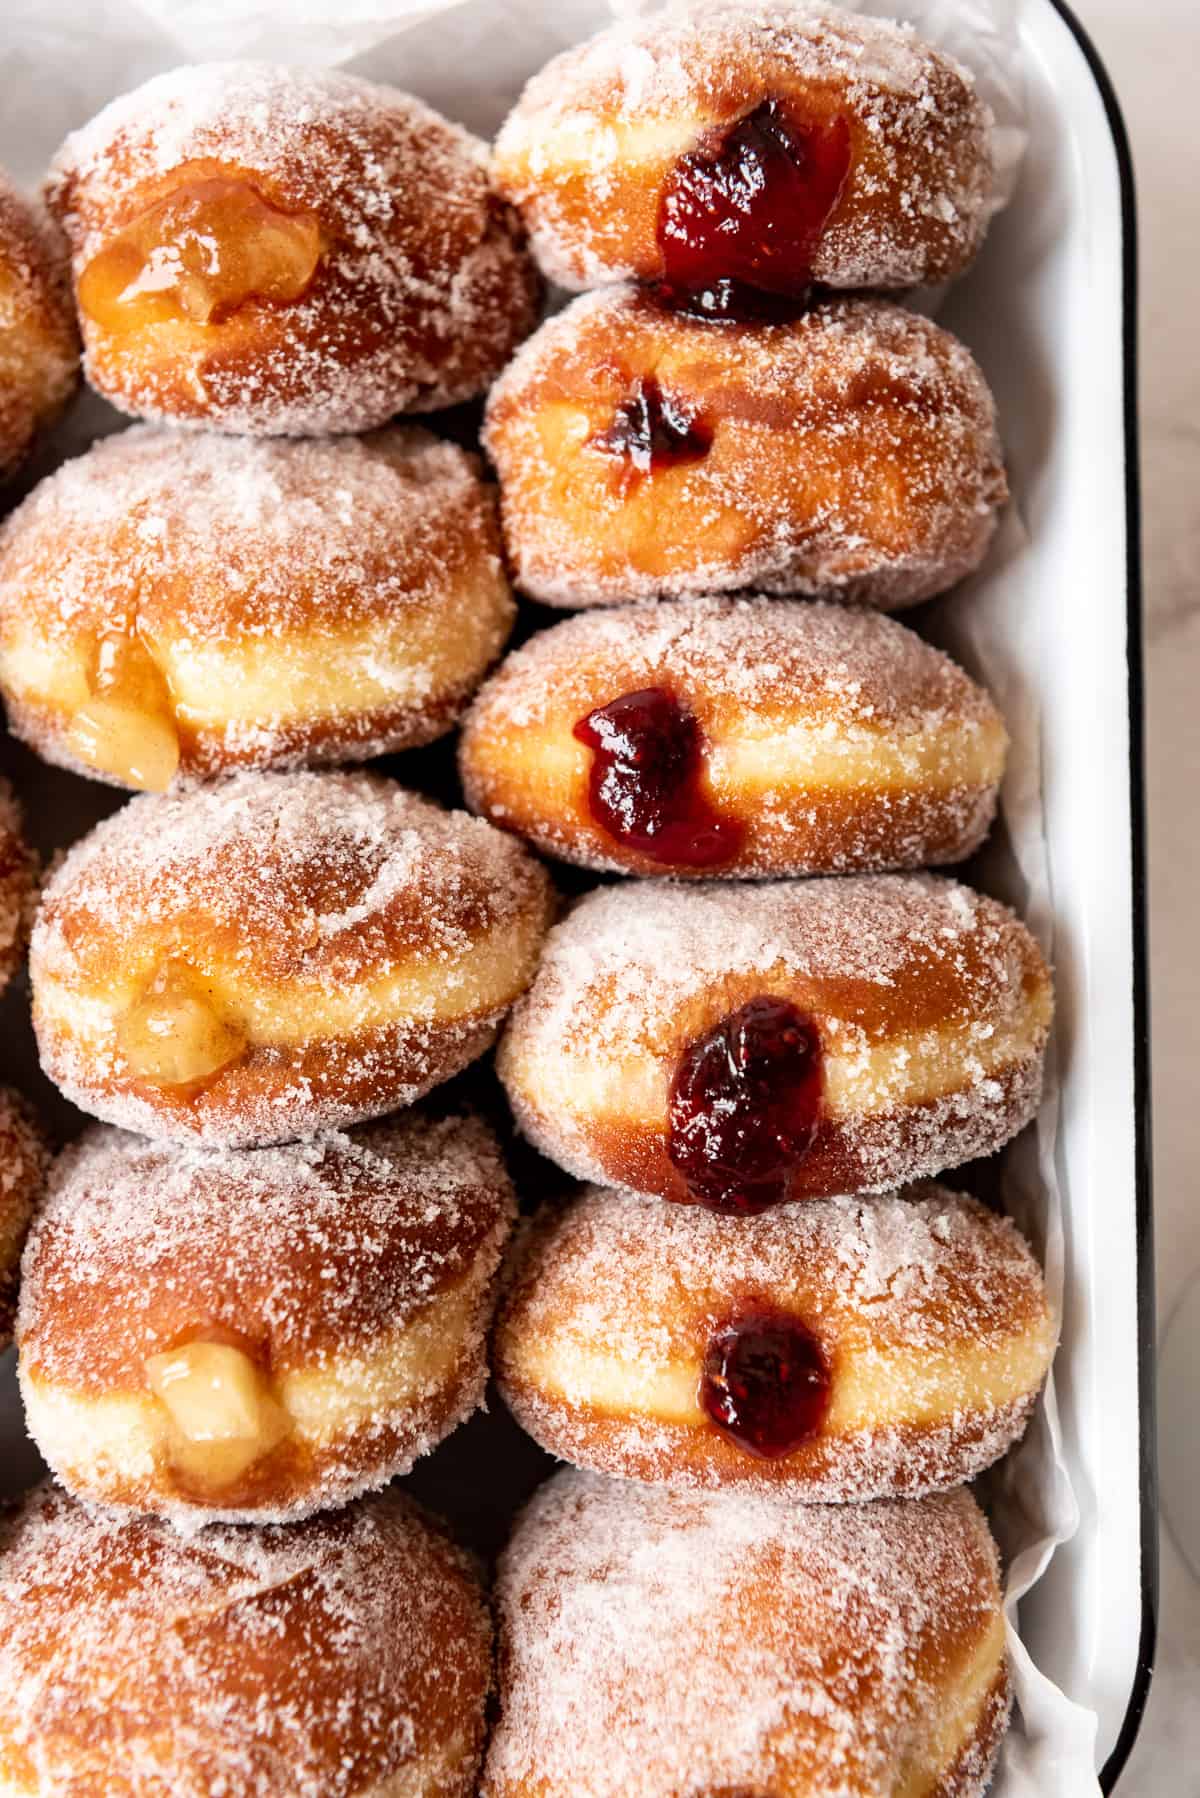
(126, 726)
(223, 1411)
(199, 254)
(174, 1035)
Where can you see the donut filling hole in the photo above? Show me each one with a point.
(197, 255)
(742, 215)
(223, 1412)
(652, 429)
(766, 1383)
(174, 1036)
(126, 728)
(745, 1106)
(644, 784)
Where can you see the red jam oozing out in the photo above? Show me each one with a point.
(644, 781)
(745, 1105)
(742, 215)
(766, 1383)
(652, 430)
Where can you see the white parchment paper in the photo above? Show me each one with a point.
(60, 60)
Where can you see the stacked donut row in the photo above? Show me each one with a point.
(278, 1294)
(761, 1301)
(246, 1311)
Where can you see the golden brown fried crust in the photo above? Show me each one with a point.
(858, 1154)
(39, 344)
(635, 975)
(24, 1157)
(272, 1094)
(614, 1304)
(316, 1661)
(18, 867)
(281, 886)
(853, 456)
(172, 540)
(588, 149)
(328, 1245)
(971, 1773)
(422, 290)
(911, 748)
(834, 1639)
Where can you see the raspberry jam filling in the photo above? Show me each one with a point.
(199, 254)
(742, 215)
(766, 1383)
(644, 781)
(652, 430)
(745, 1105)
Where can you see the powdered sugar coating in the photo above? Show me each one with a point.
(215, 553)
(877, 738)
(905, 976)
(312, 1258)
(308, 1249)
(319, 1661)
(925, 1282)
(17, 867)
(423, 286)
(594, 137)
(854, 456)
(656, 1642)
(290, 890)
(39, 344)
(23, 1160)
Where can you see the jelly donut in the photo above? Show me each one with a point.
(715, 1645)
(23, 1159)
(173, 604)
(740, 1046)
(278, 954)
(846, 1349)
(345, 1657)
(17, 867)
(732, 155)
(735, 737)
(284, 251)
(259, 1333)
(849, 455)
(39, 345)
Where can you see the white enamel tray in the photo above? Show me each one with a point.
(1050, 313)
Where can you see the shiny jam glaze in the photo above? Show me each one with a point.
(742, 215)
(745, 1105)
(644, 781)
(766, 1383)
(198, 254)
(126, 725)
(652, 430)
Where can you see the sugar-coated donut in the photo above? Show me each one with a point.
(345, 1657)
(23, 1158)
(259, 1333)
(849, 455)
(278, 954)
(735, 737)
(846, 1349)
(286, 251)
(733, 154)
(39, 345)
(17, 866)
(719, 1645)
(174, 604)
(738, 1046)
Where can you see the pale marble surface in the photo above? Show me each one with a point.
(1152, 52)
